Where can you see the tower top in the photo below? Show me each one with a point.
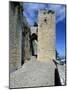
(47, 11)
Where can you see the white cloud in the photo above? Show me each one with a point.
(30, 9)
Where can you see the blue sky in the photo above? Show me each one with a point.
(31, 12)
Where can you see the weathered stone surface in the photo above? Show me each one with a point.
(46, 35)
(15, 38)
(19, 45)
(34, 74)
(34, 30)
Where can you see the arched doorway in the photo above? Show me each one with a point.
(34, 44)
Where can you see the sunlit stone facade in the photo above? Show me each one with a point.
(46, 35)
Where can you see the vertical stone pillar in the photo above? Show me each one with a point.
(46, 35)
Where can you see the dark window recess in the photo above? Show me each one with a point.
(45, 20)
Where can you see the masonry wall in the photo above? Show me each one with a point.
(27, 44)
(46, 35)
(15, 30)
(34, 30)
(19, 34)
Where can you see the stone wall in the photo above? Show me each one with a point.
(19, 41)
(27, 44)
(34, 30)
(46, 35)
(15, 30)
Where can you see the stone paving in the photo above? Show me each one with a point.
(33, 74)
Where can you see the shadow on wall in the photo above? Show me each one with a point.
(57, 78)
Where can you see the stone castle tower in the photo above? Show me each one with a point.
(46, 35)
